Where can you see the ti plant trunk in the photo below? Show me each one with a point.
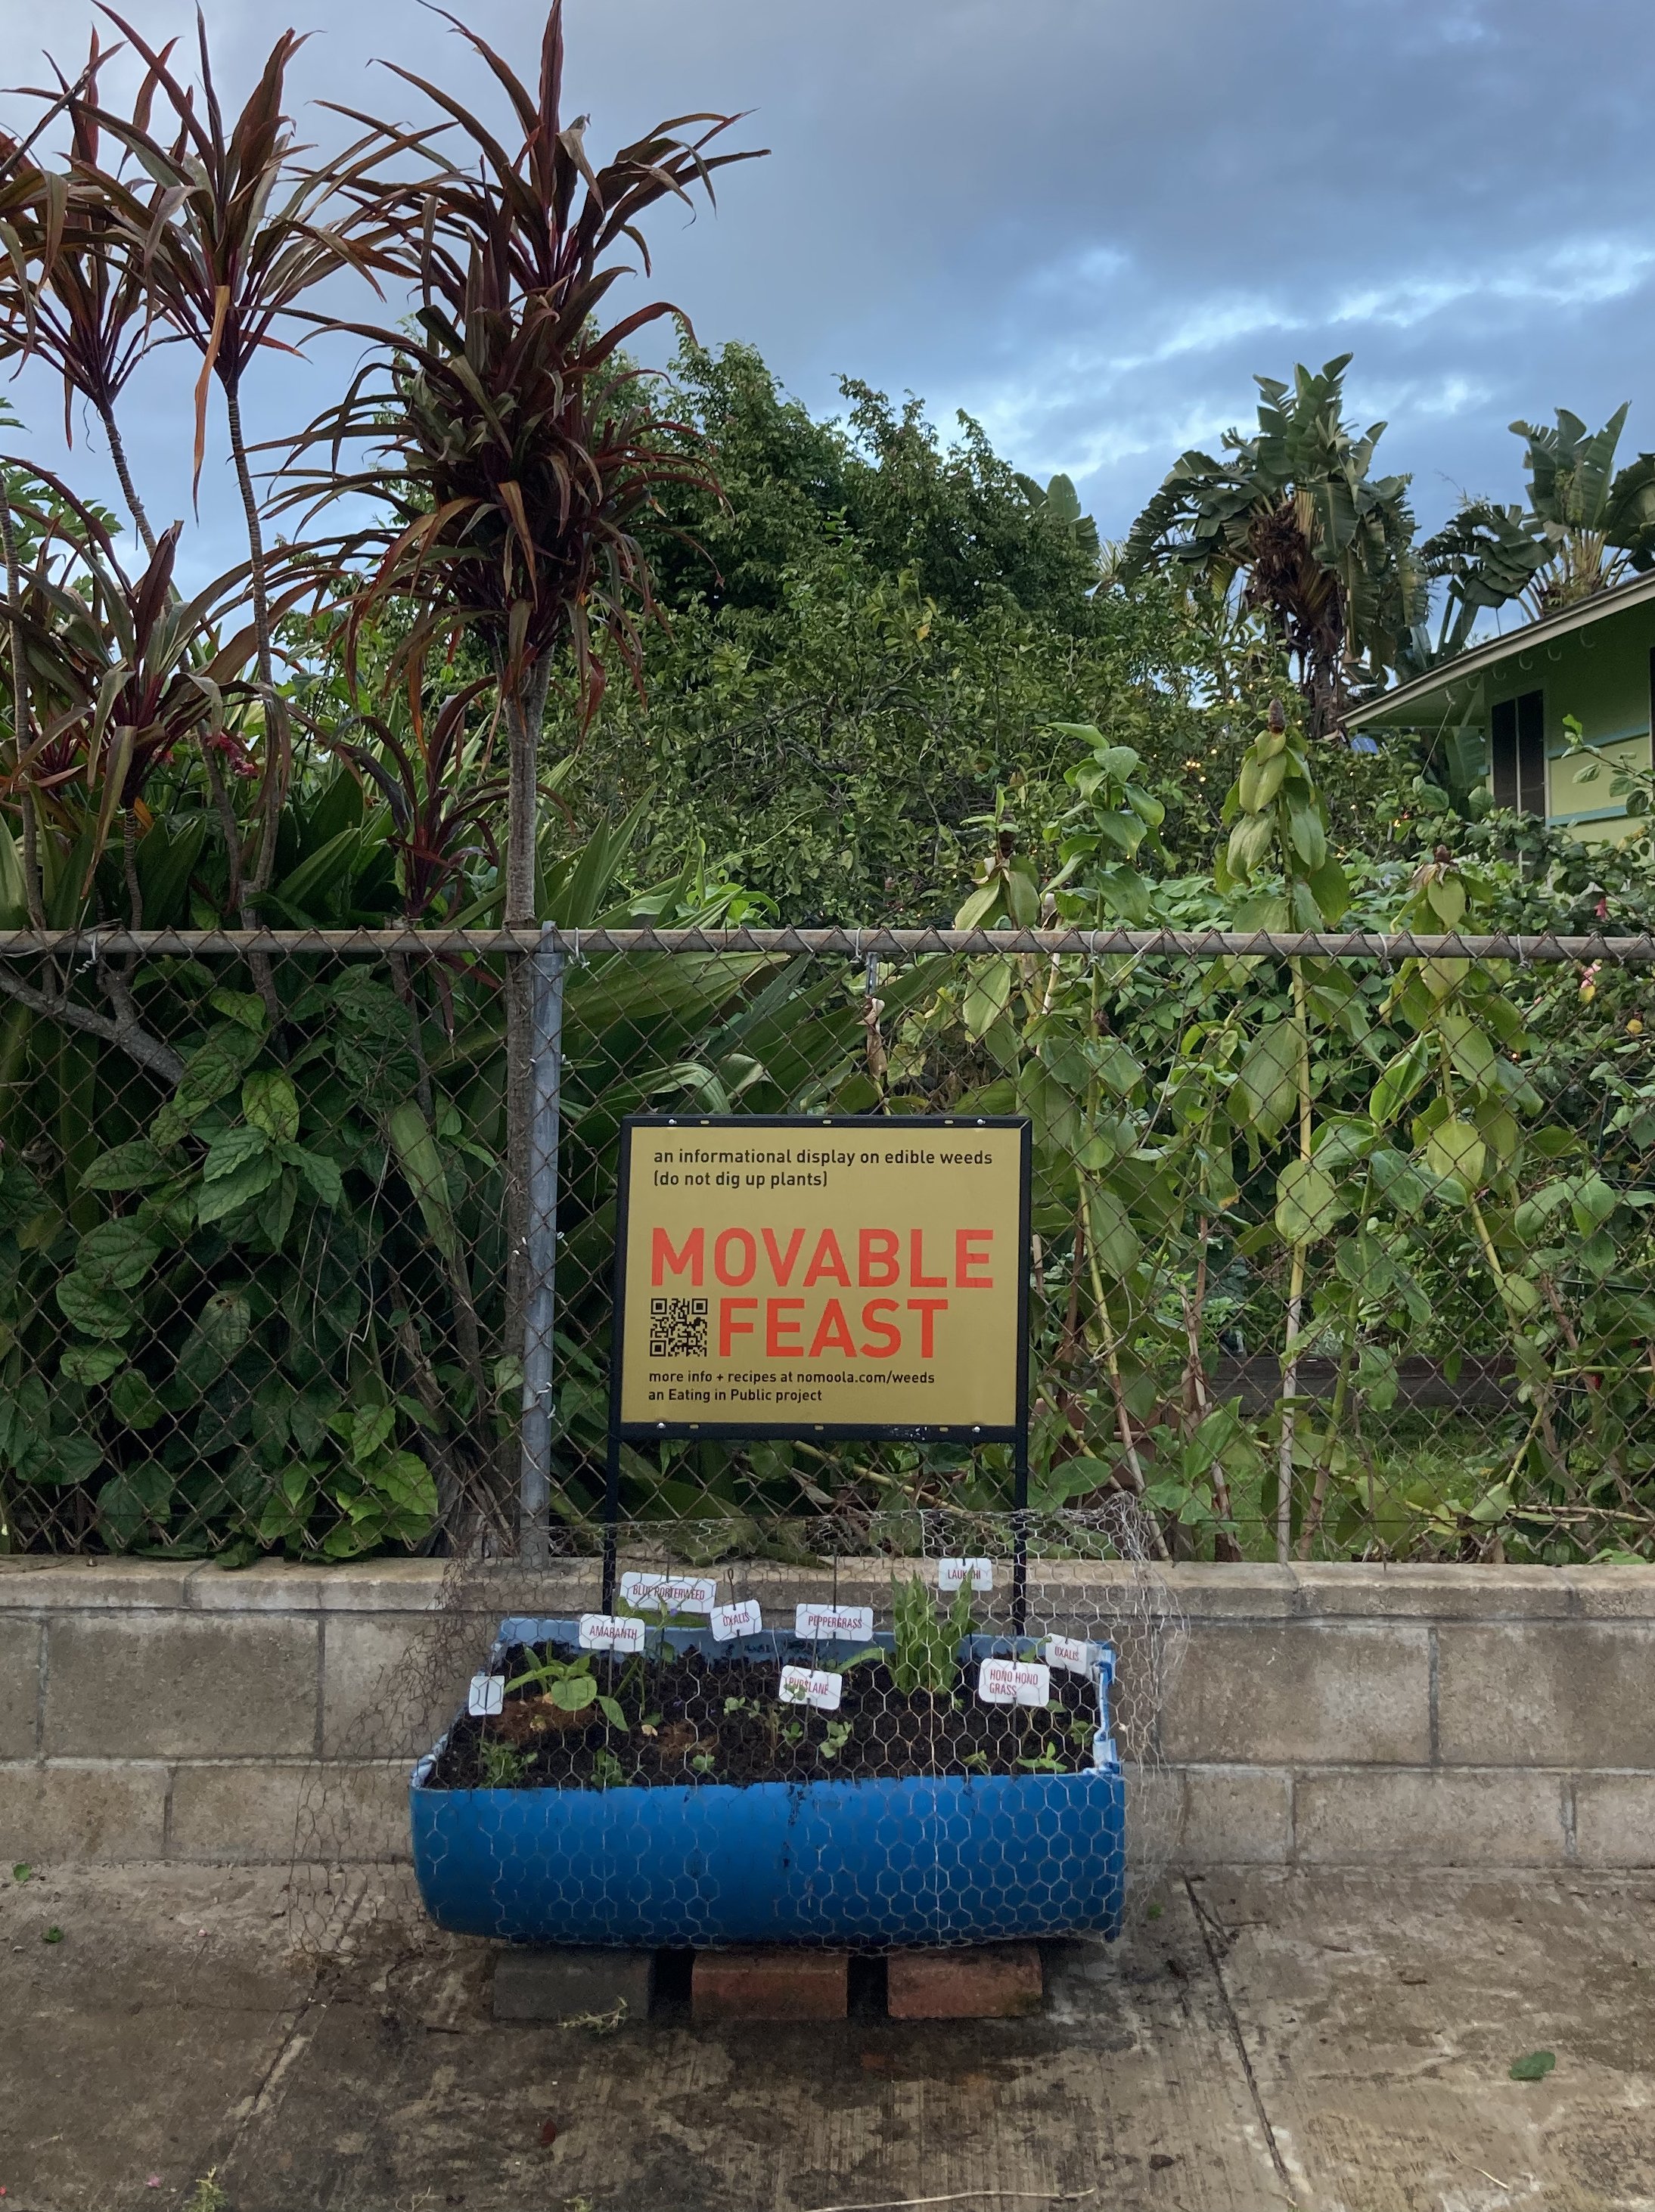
(524, 702)
(123, 470)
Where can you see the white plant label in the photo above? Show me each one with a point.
(488, 1695)
(671, 1593)
(1013, 1682)
(955, 1574)
(1072, 1653)
(811, 1685)
(729, 1621)
(608, 1632)
(843, 1623)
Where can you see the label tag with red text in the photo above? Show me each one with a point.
(1013, 1682)
(809, 1685)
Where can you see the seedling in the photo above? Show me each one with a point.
(571, 1685)
(54, 1935)
(21, 1873)
(702, 1763)
(503, 1765)
(837, 1736)
(607, 1771)
(1050, 1761)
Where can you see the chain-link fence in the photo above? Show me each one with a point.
(1342, 1244)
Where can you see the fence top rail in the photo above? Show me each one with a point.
(870, 944)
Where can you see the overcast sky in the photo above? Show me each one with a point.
(1087, 222)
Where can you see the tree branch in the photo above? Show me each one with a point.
(129, 1034)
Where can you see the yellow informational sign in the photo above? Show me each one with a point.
(793, 1275)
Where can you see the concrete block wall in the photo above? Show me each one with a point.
(1429, 1715)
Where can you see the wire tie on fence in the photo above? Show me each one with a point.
(90, 959)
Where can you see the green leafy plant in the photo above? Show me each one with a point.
(926, 1637)
(571, 1685)
(1534, 2067)
(502, 1764)
(836, 1737)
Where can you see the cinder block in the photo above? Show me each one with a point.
(144, 1685)
(237, 1815)
(392, 1682)
(1569, 1694)
(1302, 1692)
(20, 1686)
(1236, 1816)
(89, 1585)
(284, 1586)
(1615, 1593)
(763, 1985)
(1615, 1820)
(1442, 1591)
(1245, 1591)
(1428, 1818)
(92, 1813)
(568, 1982)
(990, 1981)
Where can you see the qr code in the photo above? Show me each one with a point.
(677, 1329)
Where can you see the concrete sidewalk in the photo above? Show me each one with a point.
(1336, 2042)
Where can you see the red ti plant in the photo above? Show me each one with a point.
(120, 673)
(71, 292)
(506, 444)
(223, 237)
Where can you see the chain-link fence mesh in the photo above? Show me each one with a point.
(1343, 1247)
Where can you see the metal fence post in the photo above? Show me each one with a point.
(540, 1305)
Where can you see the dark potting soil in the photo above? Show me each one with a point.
(689, 1722)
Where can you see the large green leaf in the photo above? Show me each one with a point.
(271, 1104)
(1266, 1082)
(1454, 1148)
(116, 1255)
(421, 1162)
(134, 1166)
(1307, 1203)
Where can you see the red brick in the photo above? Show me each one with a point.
(997, 1981)
(769, 1984)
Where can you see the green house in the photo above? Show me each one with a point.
(1595, 660)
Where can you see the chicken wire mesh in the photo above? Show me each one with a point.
(1342, 1246)
(922, 1727)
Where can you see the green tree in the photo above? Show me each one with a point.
(1293, 521)
(870, 635)
(1586, 526)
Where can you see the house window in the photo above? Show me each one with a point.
(1518, 730)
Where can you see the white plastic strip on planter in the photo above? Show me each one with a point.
(844, 1623)
(811, 1685)
(487, 1696)
(957, 1574)
(671, 1593)
(1013, 1682)
(745, 1618)
(608, 1632)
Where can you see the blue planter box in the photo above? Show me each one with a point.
(928, 1859)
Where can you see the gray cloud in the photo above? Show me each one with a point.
(1090, 224)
